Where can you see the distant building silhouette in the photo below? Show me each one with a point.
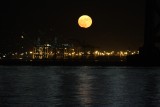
(40, 51)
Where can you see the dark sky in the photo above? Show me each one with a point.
(117, 24)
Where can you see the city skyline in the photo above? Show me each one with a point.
(117, 25)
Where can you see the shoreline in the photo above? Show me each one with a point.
(20, 62)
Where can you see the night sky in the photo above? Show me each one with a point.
(117, 24)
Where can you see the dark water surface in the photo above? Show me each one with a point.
(84, 86)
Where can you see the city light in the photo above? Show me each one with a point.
(65, 51)
(22, 37)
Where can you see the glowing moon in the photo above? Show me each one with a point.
(85, 21)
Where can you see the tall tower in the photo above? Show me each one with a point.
(149, 23)
(152, 27)
(149, 53)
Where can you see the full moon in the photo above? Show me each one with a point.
(85, 21)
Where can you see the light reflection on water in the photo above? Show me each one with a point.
(49, 86)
